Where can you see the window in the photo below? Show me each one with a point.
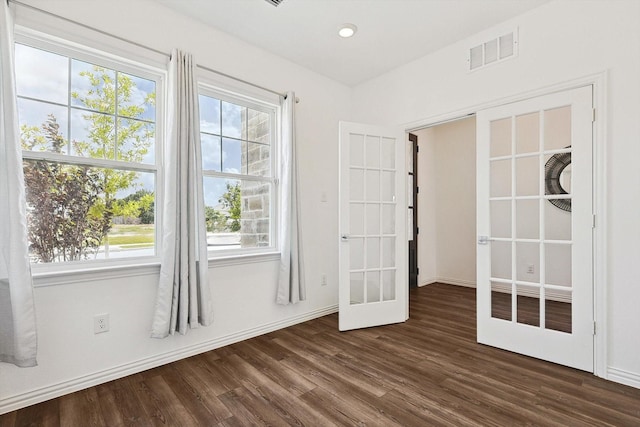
(88, 134)
(238, 158)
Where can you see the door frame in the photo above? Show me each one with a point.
(600, 250)
(413, 243)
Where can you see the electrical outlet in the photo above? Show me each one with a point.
(323, 280)
(100, 323)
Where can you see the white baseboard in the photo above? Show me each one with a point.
(550, 294)
(623, 377)
(448, 281)
(60, 389)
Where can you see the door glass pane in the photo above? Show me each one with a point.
(500, 178)
(501, 300)
(373, 220)
(389, 285)
(527, 176)
(528, 219)
(388, 186)
(527, 133)
(356, 223)
(501, 260)
(557, 173)
(557, 222)
(388, 252)
(388, 153)
(356, 288)
(557, 128)
(558, 264)
(528, 305)
(356, 253)
(356, 184)
(500, 144)
(373, 286)
(373, 185)
(356, 150)
(500, 218)
(373, 152)
(528, 262)
(558, 310)
(373, 252)
(389, 219)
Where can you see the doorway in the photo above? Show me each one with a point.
(539, 273)
(447, 214)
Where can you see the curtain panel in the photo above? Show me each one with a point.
(18, 338)
(184, 296)
(291, 284)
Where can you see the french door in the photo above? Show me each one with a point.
(373, 211)
(535, 227)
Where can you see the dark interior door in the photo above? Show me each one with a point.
(413, 211)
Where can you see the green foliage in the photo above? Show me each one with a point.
(67, 217)
(227, 219)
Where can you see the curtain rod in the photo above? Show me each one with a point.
(28, 6)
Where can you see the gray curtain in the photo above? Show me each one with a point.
(184, 296)
(18, 343)
(291, 285)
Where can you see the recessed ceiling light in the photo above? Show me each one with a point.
(347, 30)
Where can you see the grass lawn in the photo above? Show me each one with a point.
(140, 235)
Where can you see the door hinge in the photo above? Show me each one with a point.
(594, 328)
(417, 230)
(593, 117)
(593, 225)
(417, 148)
(417, 190)
(418, 270)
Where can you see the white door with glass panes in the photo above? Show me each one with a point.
(535, 226)
(373, 211)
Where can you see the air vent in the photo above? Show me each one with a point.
(493, 50)
(274, 2)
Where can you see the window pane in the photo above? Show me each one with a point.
(92, 87)
(209, 114)
(233, 120)
(211, 154)
(257, 159)
(43, 126)
(92, 134)
(136, 97)
(258, 126)
(237, 213)
(136, 141)
(41, 75)
(232, 156)
(76, 212)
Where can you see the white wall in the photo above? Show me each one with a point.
(559, 41)
(70, 355)
(447, 203)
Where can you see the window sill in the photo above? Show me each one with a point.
(224, 261)
(58, 277)
(89, 274)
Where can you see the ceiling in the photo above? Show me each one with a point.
(390, 32)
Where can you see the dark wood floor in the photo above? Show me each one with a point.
(428, 371)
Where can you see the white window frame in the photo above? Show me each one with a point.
(248, 97)
(60, 271)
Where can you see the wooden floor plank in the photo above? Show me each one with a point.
(428, 371)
